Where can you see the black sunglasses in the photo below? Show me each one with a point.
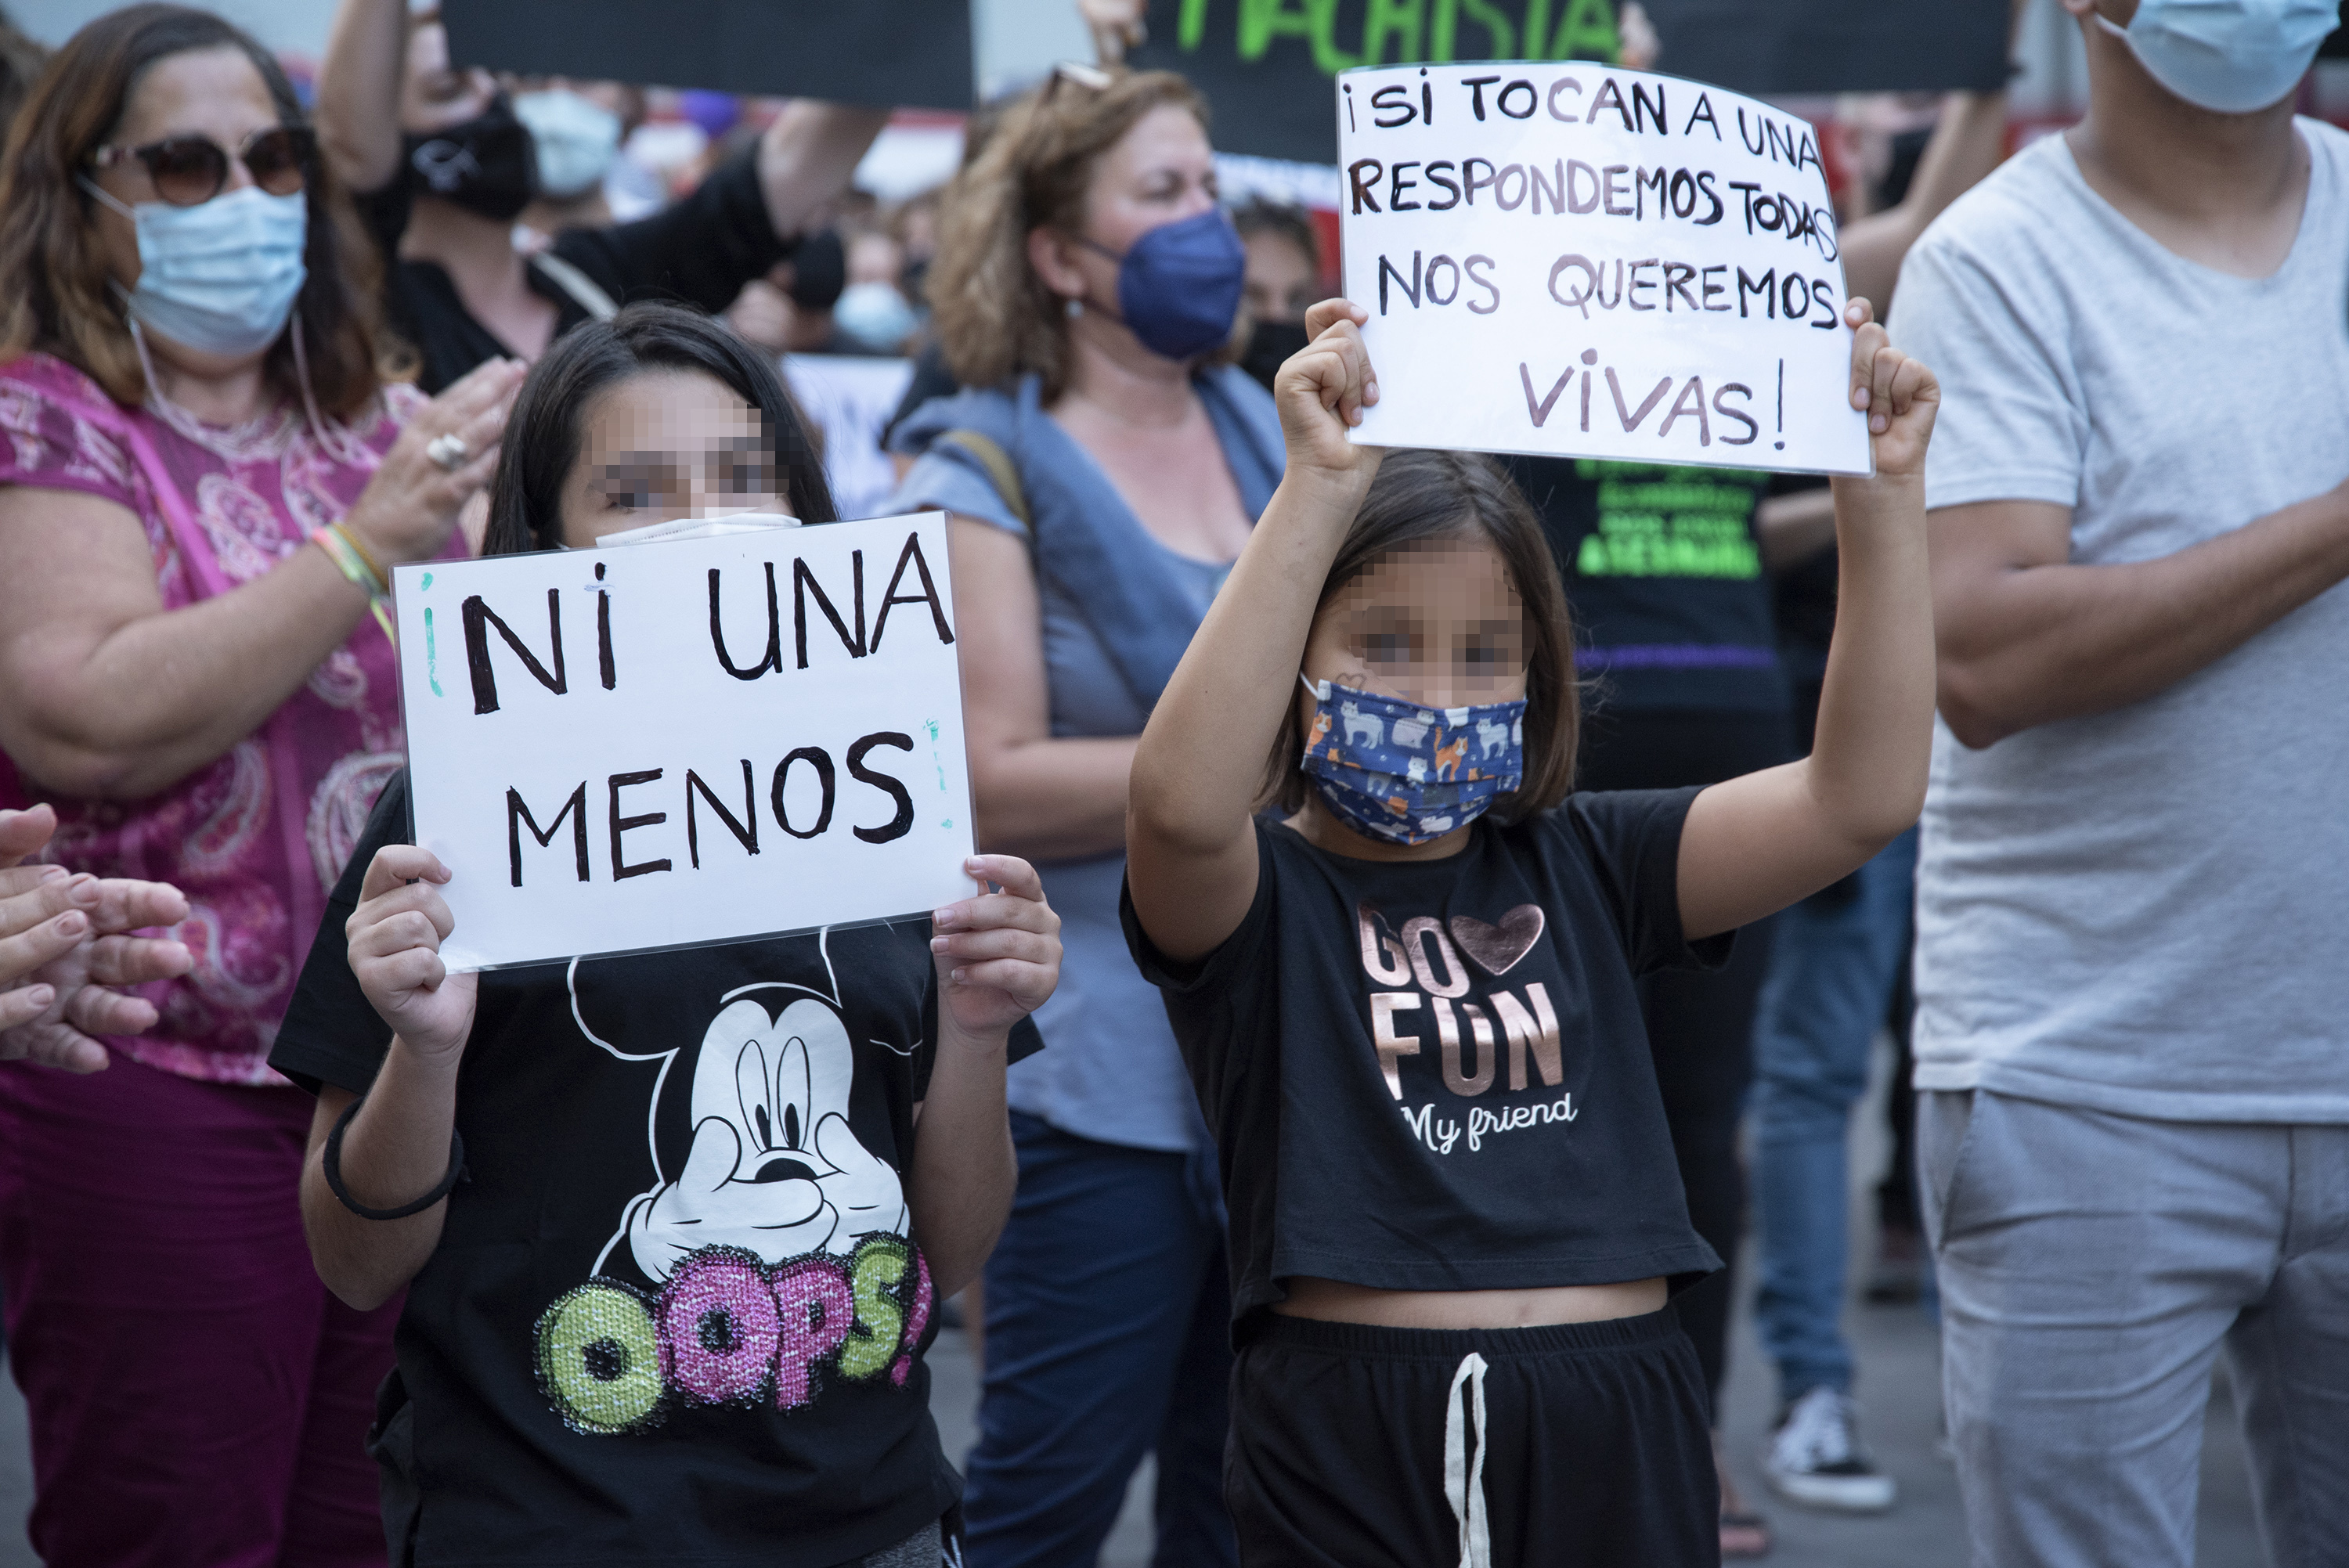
(190, 171)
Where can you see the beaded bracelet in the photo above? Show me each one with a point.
(351, 559)
(332, 1164)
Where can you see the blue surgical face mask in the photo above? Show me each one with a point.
(1178, 286)
(1407, 774)
(2230, 57)
(576, 141)
(220, 277)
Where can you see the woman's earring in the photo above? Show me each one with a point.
(1075, 307)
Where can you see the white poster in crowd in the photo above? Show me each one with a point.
(851, 398)
(1571, 259)
(686, 742)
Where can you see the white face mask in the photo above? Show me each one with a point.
(2230, 57)
(220, 277)
(677, 528)
(576, 141)
(875, 316)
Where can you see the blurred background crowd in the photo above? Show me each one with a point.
(816, 232)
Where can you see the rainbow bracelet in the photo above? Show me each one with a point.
(351, 559)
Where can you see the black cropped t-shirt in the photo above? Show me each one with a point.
(1433, 1075)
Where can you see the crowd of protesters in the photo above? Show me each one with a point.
(2021, 752)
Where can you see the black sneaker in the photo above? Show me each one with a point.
(1814, 1456)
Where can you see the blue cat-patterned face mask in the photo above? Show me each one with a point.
(1408, 774)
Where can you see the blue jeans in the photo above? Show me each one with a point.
(1108, 1338)
(1830, 983)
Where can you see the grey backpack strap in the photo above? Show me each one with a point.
(582, 288)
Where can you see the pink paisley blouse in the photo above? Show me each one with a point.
(257, 838)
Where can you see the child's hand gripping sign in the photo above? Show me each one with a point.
(1570, 259)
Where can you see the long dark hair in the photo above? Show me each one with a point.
(1427, 495)
(57, 297)
(543, 432)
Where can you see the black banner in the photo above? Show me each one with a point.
(1266, 65)
(894, 54)
(1783, 47)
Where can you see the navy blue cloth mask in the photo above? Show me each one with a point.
(1179, 285)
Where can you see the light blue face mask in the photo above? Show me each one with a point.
(576, 141)
(220, 277)
(875, 316)
(2230, 57)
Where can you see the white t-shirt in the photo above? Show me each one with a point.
(2143, 911)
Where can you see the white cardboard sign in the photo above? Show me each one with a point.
(1575, 260)
(686, 742)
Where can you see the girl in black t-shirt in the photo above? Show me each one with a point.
(1410, 1007)
(672, 1227)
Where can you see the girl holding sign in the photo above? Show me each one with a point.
(1409, 1008)
(672, 1227)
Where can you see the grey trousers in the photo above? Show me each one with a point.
(2092, 1266)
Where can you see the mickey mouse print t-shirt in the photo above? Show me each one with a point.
(1433, 1075)
(676, 1313)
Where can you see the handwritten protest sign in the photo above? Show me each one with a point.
(1590, 261)
(686, 742)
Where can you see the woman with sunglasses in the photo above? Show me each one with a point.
(205, 473)
(444, 166)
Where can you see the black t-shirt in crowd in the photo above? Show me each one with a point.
(1433, 1075)
(1806, 612)
(675, 1315)
(1665, 578)
(699, 251)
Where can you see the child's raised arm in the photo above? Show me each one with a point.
(1756, 844)
(1197, 773)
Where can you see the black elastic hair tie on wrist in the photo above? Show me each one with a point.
(333, 1163)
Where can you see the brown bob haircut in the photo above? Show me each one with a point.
(59, 298)
(994, 318)
(1422, 497)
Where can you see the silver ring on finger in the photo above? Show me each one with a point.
(447, 452)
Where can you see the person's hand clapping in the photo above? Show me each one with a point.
(1321, 392)
(408, 510)
(1899, 395)
(394, 947)
(63, 946)
(999, 955)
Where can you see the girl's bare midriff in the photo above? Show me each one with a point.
(1331, 1301)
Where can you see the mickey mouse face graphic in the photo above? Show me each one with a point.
(771, 1165)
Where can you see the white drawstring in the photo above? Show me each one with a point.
(334, 440)
(302, 373)
(1464, 1479)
